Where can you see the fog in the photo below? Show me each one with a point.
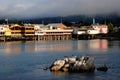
(52, 8)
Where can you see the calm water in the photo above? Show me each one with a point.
(25, 60)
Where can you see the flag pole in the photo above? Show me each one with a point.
(6, 21)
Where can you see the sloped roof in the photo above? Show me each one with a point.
(15, 25)
(59, 25)
(62, 26)
(54, 24)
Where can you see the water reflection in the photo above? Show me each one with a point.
(113, 44)
(59, 73)
(99, 45)
(11, 47)
(31, 46)
(93, 45)
(28, 66)
(53, 46)
(18, 47)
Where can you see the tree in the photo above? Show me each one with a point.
(110, 27)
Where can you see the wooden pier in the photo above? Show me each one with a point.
(84, 36)
(2, 38)
(49, 37)
(53, 37)
(36, 38)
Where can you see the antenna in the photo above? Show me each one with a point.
(6, 21)
(42, 21)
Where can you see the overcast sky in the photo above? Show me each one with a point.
(53, 8)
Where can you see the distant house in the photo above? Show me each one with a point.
(14, 30)
(18, 31)
(28, 30)
(53, 29)
(103, 29)
(92, 31)
(38, 26)
(88, 31)
(80, 31)
(2, 30)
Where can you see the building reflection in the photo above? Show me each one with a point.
(59, 46)
(93, 45)
(19, 47)
(12, 47)
(98, 45)
(29, 46)
(32, 46)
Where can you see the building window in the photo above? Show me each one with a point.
(2, 33)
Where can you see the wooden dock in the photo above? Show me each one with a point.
(36, 38)
(53, 37)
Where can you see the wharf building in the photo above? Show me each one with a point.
(17, 32)
(56, 31)
(2, 32)
(90, 32)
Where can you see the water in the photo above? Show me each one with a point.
(26, 60)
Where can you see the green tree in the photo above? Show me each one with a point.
(110, 27)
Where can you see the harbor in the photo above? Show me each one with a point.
(59, 40)
(53, 31)
(27, 60)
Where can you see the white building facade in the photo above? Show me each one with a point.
(103, 29)
(2, 30)
(92, 31)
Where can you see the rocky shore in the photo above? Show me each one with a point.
(74, 64)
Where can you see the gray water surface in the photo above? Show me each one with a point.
(26, 60)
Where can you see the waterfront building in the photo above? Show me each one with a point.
(92, 31)
(38, 26)
(85, 32)
(103, 29)
(57, 26)
(7, 31)
(80, 31)
(14, 30)
(29, 31)
(57, 31)
(2, 30)
(18, 32)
